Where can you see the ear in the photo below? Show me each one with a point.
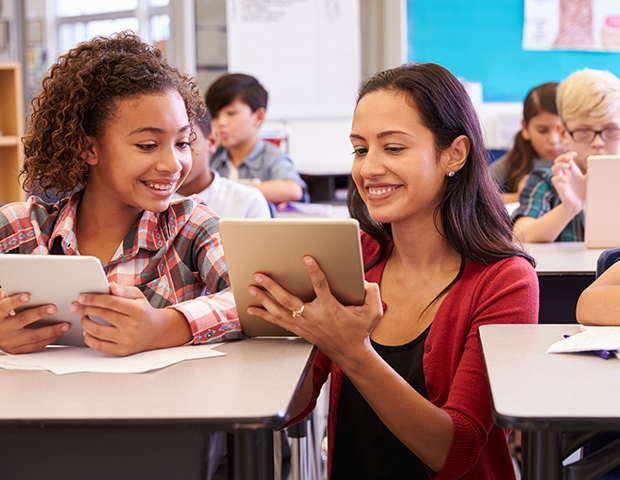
(525, 133)
(92, 151)
(213, 140)
(455, 156)
(259, 116)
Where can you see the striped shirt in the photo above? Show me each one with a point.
(174, 257)
(539, 196)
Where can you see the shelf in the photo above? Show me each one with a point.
(12, 128)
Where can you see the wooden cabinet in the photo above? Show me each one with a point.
(12, 130)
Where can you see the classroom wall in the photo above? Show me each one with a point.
(481, 41)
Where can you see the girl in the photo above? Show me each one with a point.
(408, 392)
(111, 131)
(538, 139)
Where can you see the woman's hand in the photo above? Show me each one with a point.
(135, 326)
(569, 182)
(14, 338)
(324, 322)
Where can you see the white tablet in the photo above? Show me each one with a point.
(57, 279)
(276, 248)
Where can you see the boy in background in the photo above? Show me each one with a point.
(238, 104)
(225, 197)
(552, 200)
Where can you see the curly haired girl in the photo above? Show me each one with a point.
(111, 133)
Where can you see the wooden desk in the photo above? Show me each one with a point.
(564, 270)
(546, 394)
(151, 425)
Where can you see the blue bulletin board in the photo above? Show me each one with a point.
(481, 41)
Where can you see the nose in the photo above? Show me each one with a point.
(171, 159)
(371, 165)
(597, 141)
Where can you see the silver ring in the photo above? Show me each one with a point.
(297, 313)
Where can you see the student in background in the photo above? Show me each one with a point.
(552, 200)
(408, 393)
(537, 141)
(111, 133)
(238, 104)
(599, 304)
(225, 197)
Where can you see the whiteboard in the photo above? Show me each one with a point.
(306, 53)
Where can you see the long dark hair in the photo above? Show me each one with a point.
(519, 159)
(473, 217)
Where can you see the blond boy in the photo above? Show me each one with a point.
(552, 200)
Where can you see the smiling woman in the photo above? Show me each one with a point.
(408, 393)
(111, 132)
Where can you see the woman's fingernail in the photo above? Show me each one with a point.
(81, 298)
(24, 298)
(65, 328)
(258, 278)
(50, 309)
(308, 261)
(250, 311)
(253, 291)
(73, 307)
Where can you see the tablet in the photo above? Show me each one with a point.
(276, 248)
(57, 279)
(602, 197)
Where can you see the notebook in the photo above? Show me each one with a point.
(602, 228)
(276, 248)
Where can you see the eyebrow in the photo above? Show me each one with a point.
(382, 134)
(154, 130)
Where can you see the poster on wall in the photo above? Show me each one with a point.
(586, 25)
(307, 53)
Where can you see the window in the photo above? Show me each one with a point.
(79, 20)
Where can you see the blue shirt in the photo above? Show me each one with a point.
(265, 162)
(539, 196)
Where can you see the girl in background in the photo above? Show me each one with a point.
(538, 139)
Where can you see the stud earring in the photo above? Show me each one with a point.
(450, 173)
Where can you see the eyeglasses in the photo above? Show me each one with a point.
(587, 136)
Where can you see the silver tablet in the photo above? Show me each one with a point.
(276, 248)
(57, 279)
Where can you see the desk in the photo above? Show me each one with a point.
(151, 425)
(545, 394)
(564, 270)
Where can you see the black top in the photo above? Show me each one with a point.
(364, 447)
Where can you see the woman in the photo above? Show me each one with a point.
(408, 393)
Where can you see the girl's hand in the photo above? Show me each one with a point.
(135, 326)
(569, 182)
(339, 332)
(14, 338)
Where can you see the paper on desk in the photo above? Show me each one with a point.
(591, 339)
(61, 360)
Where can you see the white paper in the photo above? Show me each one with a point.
(61, 360)
(591, 339)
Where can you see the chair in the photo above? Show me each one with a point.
(601, 451)
(606, 260)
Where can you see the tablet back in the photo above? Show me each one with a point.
(276, 247)
(602, 229)
(57, 279)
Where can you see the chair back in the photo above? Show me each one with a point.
(606, 260)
